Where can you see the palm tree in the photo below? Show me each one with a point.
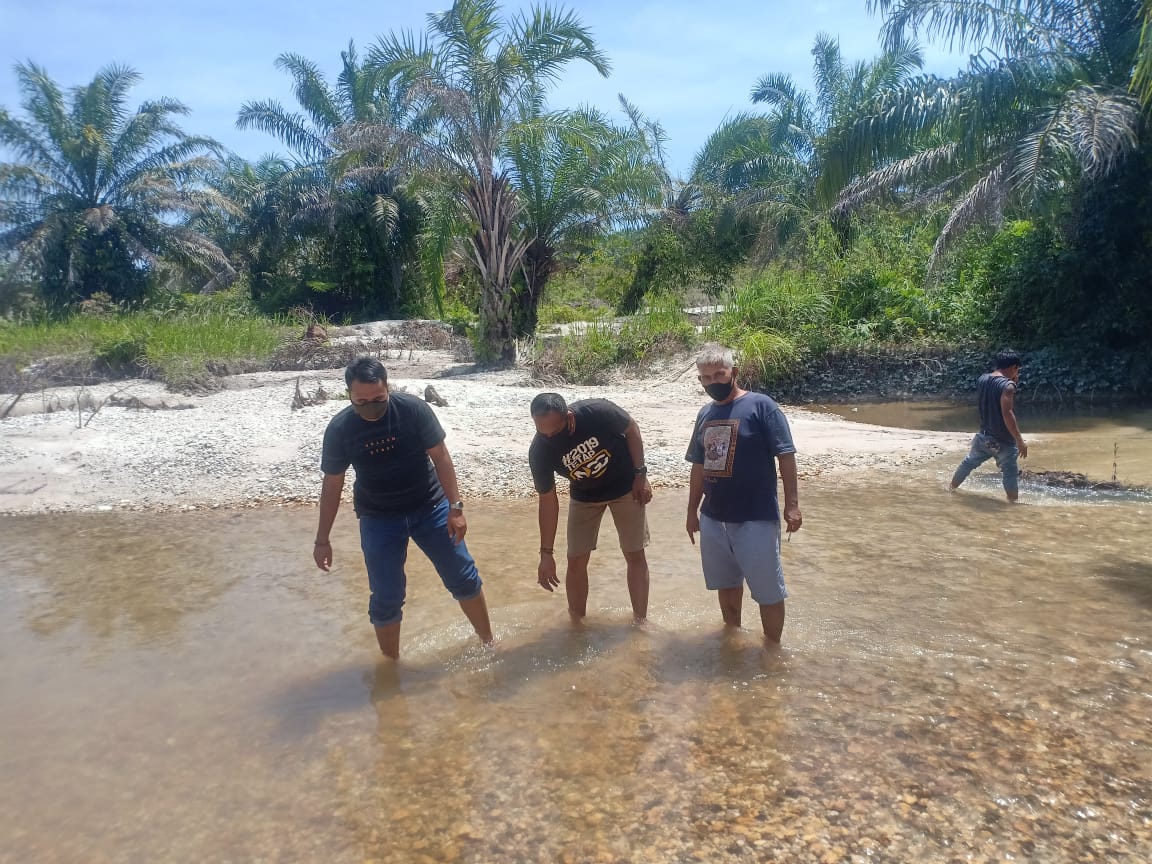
(98, 198)
(784, 168)
(1044, 105)
(470, 84)
(577, 177)
(679, 203)
(353, 197)
(253, 222)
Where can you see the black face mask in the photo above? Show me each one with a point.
(371, 410)
(719, 390)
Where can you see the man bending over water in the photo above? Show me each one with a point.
(404, 483)
(597, 445)
(999, 437)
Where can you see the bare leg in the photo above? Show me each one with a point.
(638, 583)
(576, 586)
(477, 611)
(730, 602)
(388, 637)
(772, 617)
(1013, 496)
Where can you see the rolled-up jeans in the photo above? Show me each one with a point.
(985, 447)
(384, 540)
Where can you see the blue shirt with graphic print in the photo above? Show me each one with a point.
(737, 445)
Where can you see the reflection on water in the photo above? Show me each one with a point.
(961, 681)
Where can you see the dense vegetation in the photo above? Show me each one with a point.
(1008, 203)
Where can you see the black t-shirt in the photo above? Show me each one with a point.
(989, 389)
(393, 472)
(594, 458)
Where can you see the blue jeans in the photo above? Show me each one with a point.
(985, 447)
(384, 540)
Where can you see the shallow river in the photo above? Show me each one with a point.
(961, 681)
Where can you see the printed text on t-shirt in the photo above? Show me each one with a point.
(586, 460)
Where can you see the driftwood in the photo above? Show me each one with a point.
(430, 395)
(300, 399)
(138, 404)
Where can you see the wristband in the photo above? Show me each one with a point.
(544, 551)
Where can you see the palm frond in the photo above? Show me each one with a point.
(292, 129)
(311, 91)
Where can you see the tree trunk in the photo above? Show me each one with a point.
(497, 254)
(641, 280)
(499, 340)
(539, 260)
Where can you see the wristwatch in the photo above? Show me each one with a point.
(641, 471)
(459, 505)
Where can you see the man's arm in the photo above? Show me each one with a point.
(641, 488)
(695, 496)
(548, 512)
(331, 488)
(791, 491)
(446, 473)
(1008, 409)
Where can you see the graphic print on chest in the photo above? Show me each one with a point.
(586, 460)
(719, 438)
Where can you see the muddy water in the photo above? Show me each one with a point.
(962, 681)
(1098, 442)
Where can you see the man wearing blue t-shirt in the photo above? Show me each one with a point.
(737, 441)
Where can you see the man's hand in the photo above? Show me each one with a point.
(641, 489)
(457, 525)
(693, 525)
(546, 572)
(1023, 448)
(322, 555)
(792, 517)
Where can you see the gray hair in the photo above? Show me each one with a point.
(713, 353)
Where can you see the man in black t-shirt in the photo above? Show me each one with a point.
(597, 446)
(999, 437)
(404, 483)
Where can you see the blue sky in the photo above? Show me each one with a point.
(688, 64)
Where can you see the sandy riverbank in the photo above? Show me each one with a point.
(246, 445)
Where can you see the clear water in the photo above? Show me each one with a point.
(961, 681)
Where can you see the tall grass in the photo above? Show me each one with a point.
(771, 321)
(589, 352)
(175, 346)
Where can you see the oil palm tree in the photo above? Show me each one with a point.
(1044, 104)
(784, 168)
(353, 197)
(98, 197)
(470, 83)
(576, 177)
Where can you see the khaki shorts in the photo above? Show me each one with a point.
(584, 524)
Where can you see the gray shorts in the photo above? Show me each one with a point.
(737, 552)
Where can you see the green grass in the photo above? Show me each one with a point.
(176, 347)
(589, 354)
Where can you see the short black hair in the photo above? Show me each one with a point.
(546, 403)
(366, 370)
(1007, 358)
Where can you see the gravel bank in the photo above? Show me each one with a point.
(246, 446)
